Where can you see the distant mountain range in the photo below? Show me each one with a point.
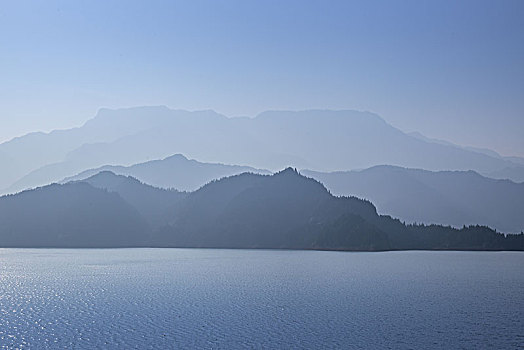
(284, 210)
(175, 171)
(454, 198)
(155, 205)
(320, 140)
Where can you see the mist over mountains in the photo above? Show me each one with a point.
(284, 210)
(454, 198)
(155, 205)
(138, 167)
(175, 172)
(319, 140)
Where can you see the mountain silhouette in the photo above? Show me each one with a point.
(175, 171)
(320, 140)
(71, 215)
(284, 210)
(36, 150)
(511, 172)
(454, 198)
(154, 204)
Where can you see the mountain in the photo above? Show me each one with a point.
(454, 198)
(284, 210)
(70, 215)
(512, 172)
(172, 172)
(288, 210)
(104, 210)
(320, 140)
(36, 150)
(317, 139)
(10, 169)
(516, 160)
(153, 204)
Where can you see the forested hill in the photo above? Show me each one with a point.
(454, 198)
(288, 210)
(284, 210)
(70, 215)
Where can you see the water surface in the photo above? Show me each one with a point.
(223, 299)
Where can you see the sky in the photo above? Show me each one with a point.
(452, 70)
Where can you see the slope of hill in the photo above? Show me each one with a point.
(172, 172)
(70, 215)
(512, 172)
(10, 170)
(284, 210)
(36, 150)
(454, 198)
(318, 139)
(154, 204)
(288, 210)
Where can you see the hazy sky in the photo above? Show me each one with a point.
(452, 70)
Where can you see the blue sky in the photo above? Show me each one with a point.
(452, 70)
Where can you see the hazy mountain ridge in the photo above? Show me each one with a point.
(175, 171)
(39, 149)
(284, 210)
(288, 210)
(513, 172)
(316, 139)
(9, 169)
(454, 198)
(69, 215)
(154, 204)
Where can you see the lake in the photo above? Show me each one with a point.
(226, 299)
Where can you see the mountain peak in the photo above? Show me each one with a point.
(176, 157)
(107, 179)
(288, 171)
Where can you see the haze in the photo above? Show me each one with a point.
(451, 71)
(247, 174)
